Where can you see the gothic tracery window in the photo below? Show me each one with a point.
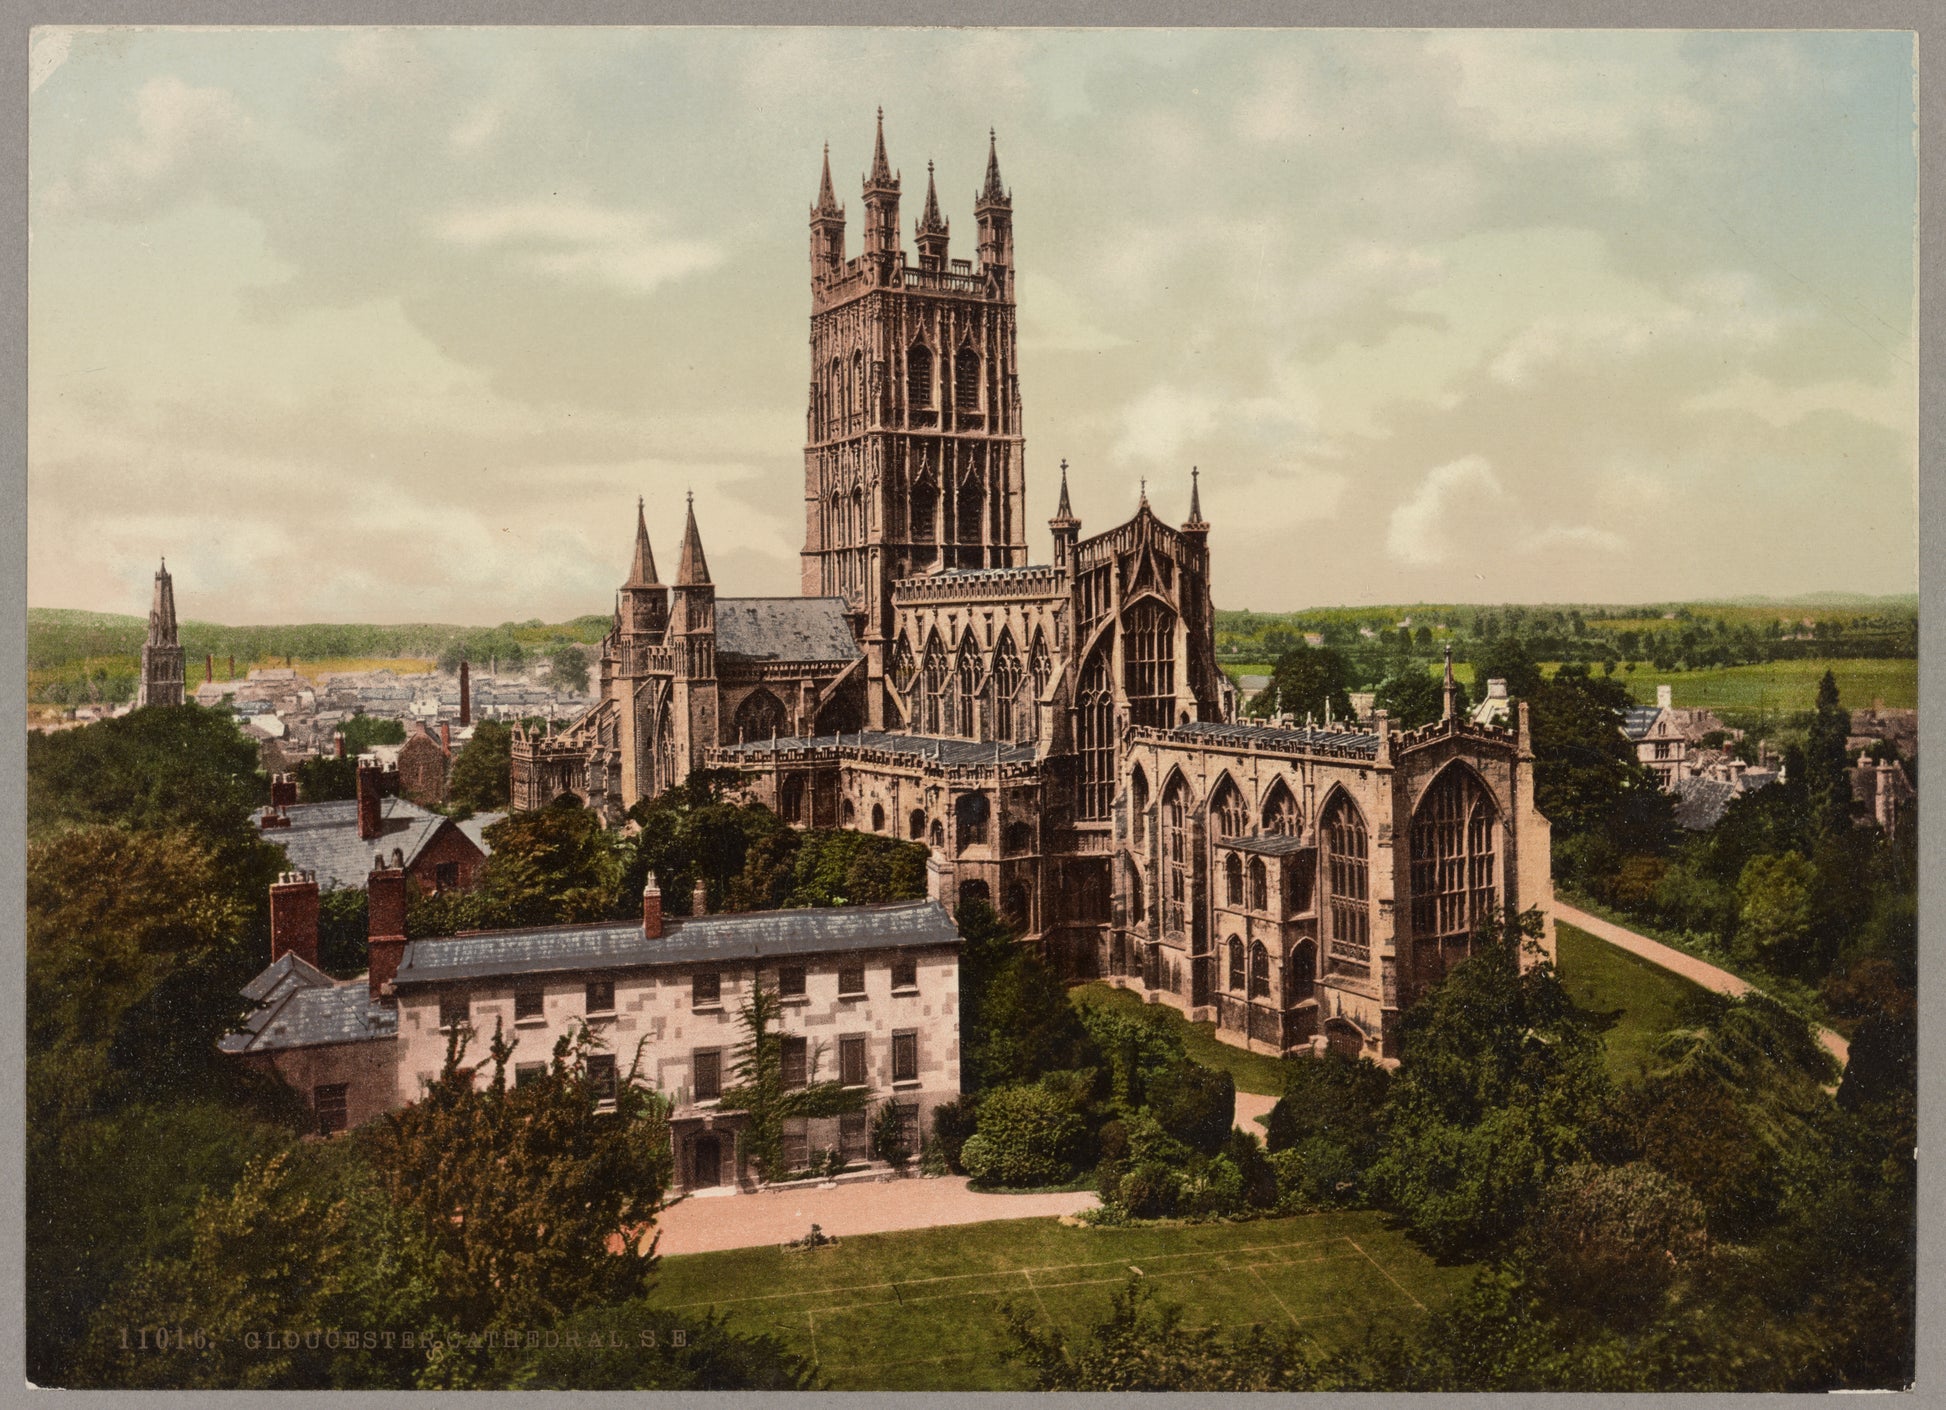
(1453, 885)
(1149, 657)
(1094, 738)
(936, 681)
(1232, 880)
(966, 380)
(1138, 806)
(918, 377)
(1347, 874)
(966, 690)
(1259, 971)
(1230, 813)
(760, 716)
(922, 508)
(1259, 889)
(1005, 680)
(1280, 812)
(1175, 857)
(1236, 964)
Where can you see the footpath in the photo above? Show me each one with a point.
(1719, 981)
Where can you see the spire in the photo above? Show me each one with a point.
(1066, 511)
(641, 572)
(993, 193)
(692, 570)
(881, 169)
(1451, 707)
(1196, 521)
(162, 612)
(931, 222)
(827, 198)
(1145, 493)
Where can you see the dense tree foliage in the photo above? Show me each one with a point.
(480, 780)
(181, 767)
(1308, 681)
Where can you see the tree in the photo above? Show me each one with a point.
(1826, 761)
(179, 767)
(1611, 1240)
(1774, 910)
(552, 865)
(325, 778)
(568, 669)
(890, 1141)
(1587, 779)
(362, 731)
(760, 1091)
(1015, 1019)
(1501, 1082)
(1026, 1135)
(1416, 697)
(1506, 659)
(1307, 680)
(483, 769)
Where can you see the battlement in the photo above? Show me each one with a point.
(980, 585)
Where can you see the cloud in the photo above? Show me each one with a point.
(579, 241)
(1462, 511)
(178, 128)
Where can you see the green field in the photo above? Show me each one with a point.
(1645, 999)
(1779, 687)
(920, 1310)
(1254, 1072)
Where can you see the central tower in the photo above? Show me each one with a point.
(913, 458)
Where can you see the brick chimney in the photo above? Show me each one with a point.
(369, 814)
(445, 737)
(699, 899)
(283, 791)
(1665, 697)
(338, 744)
(385, 923)
(465, 695)
(294, 916)
(652, 910)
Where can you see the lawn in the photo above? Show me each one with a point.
(920, 1309)
(1254, 1072)
(1644, 998)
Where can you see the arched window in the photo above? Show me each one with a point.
(937, 680)
(1236, 964)
(878, 817)
(1300, 972)
(791, 798)
(918, 377)
(970, 514)
(1095, 738)
(1017, 904)
(973, 889)
(1175, 856)
(1259, 891)
(1040, 666)
(760, 716)
(915, 826)
(1347, 876)
(1138, 806)
(922, 509)
(1137, 908)
(905, 669)
(970, 816)
(1228, 811)
(1149, 663)
(966, 380)
(1280, 812)
(1259, 971)
(1453, 886)
(966, 690)
(858, 384)
(1232, 880)
(845, 812)
(857, 527)
(1004, 686)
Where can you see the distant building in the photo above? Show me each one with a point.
(162, 652)
(425, 764)
(1664, 735)
(1877, 724)
(1884, 794)
(336, 842)
(1494, 707)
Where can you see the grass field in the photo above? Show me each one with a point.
(1645, 999)
(1780, 687)
(1254, 1072)
(920, 1310)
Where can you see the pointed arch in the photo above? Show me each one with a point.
(1004, 683)
(857, 406)
(1280, 815)
(1178, 807)
(1148, 630)
(1138, 806)
(1232, 879)
(1229, 814)
(935, 681)
(915, 825)
(966, 379)
(922, 508)
(918, 377)
(966, 689)
(1347, 875)
(905, 667)
(1094, 725)
(1236, 976)
(1455, 850)
(760, 715)
(969, 512)
(1259, 885)
(1259, 970)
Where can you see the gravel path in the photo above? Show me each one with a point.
(868, 1207)
(1719, 981)
(1251, 1110)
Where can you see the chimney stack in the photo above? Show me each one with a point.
(368, 800)
(294, 916)
(465, 695)
(283, 791)
(445, 737)
(1665, 697)
(385, 924)
(338, 743)
(651, 910)
(699, 899)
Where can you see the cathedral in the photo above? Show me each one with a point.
(1059, 735)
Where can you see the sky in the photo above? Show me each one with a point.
(395, 325)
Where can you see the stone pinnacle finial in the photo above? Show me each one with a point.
(881, 168)
(827, 198)
(1451, 690)
(1196, 521)
(641, 569)
(993, 192)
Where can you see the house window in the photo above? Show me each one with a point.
(529, 1072)
(796, 1145)
(795, 1062)
(905, 974)
(529, 1002)
(705, 988)
(453, 1009)
(1236, 964)
(707, 1064)
(851, 1061)
(601, 1076)
(601, 996)
(790, 981)
(851, 980)
(331, 1104)
(445, 875)
(905, 1057)
(909, 1124)
(1662, 749)
(852, 1141)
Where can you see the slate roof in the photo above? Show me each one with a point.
(475, 828)
(1638, 720)
(323, 838)
(1340, 740)
(685, 940)
(1273, 844)
(784, 629)
(948, 751)
(1700, 802)
(300, 1006)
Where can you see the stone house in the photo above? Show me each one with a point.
(336, 841)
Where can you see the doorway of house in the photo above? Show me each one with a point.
(706, 1162)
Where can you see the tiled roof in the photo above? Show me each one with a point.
(947, 751)
(1272, 844)
(1700, 802)
(475, 827)
(323, 838)
(784, 629)
(1356, 741)
(299, 1006)
(692, 940)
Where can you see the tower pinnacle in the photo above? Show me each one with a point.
(693, 569)
(1450, 708)
(993, 193)
(1195, 522)
(881, 169)
(930, 221)
(641, 572)
(827, 198)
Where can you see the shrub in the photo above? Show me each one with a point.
(889, 1142)
(1243, 1150)
(1025, 1136)
(952, 1123)
(1196, 1104)
(1212, 1189)
(1151, 1190)
(1611, 1239)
